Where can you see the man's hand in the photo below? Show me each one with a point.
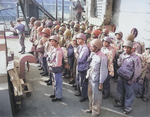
(130, 82)
(141, 80)
(100, 86)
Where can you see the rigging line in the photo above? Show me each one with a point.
(9, 10)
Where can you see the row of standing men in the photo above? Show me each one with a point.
(90, 58)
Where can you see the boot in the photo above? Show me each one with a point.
(23, 50)
(68, 74)
(44, 74)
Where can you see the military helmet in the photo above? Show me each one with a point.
(81, 36)
(33, 19)
(90, 25)
(50, 23)
(39, 29)
(72, 23)
(82, 24)
(74, 38)
(77, 22)
(105, 31)
(46, 31)
(67, 33)
(120, 33)
(69, 20)
(68, 23)
(76, 26)
(96, 32)
(62, 29)
(100, 28)
(55, 22)
(130, 37)
(134, 31)
(82, 27)
(37, 23)
(54, 37)
(108, 39)
(63, 24)
(87, 31)
(57, 27)
(97, 43)
(128, 44)
(44, 20)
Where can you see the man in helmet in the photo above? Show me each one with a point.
(32, 20)
(129, 71)
(45, 36)
(117, 45)
(63, 25)
(43, 23)
(119, 42)
(75, 48)
(39, 36)
(78, 9)
(82, 67)
(95, 34)
(76, 29)
(88, 36)
(70, 54)
(39, 32)
(54, 61)
(90, 27)
(56, 29)
(62, 40)
(72, 28)
(146, 90)
(19, 28)
(105, 33)
(49, 25)
(110, 53)
(54, 24)
(139, 84)
(68, 25)
(97, 74)
(33, 38)
(137, 47)
(82, 29)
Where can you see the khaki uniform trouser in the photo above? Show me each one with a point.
(95, 97)
(21, 39)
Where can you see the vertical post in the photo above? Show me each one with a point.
(17, 10)
(62, 19)
(71, 16)
(56, 9)
(24, 15)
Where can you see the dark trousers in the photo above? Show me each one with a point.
(125, 94)
(106, 86)
(116, 67)
(146, 93)
(44, 64)
(82, 84)
(138, 89)
(70, 62)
